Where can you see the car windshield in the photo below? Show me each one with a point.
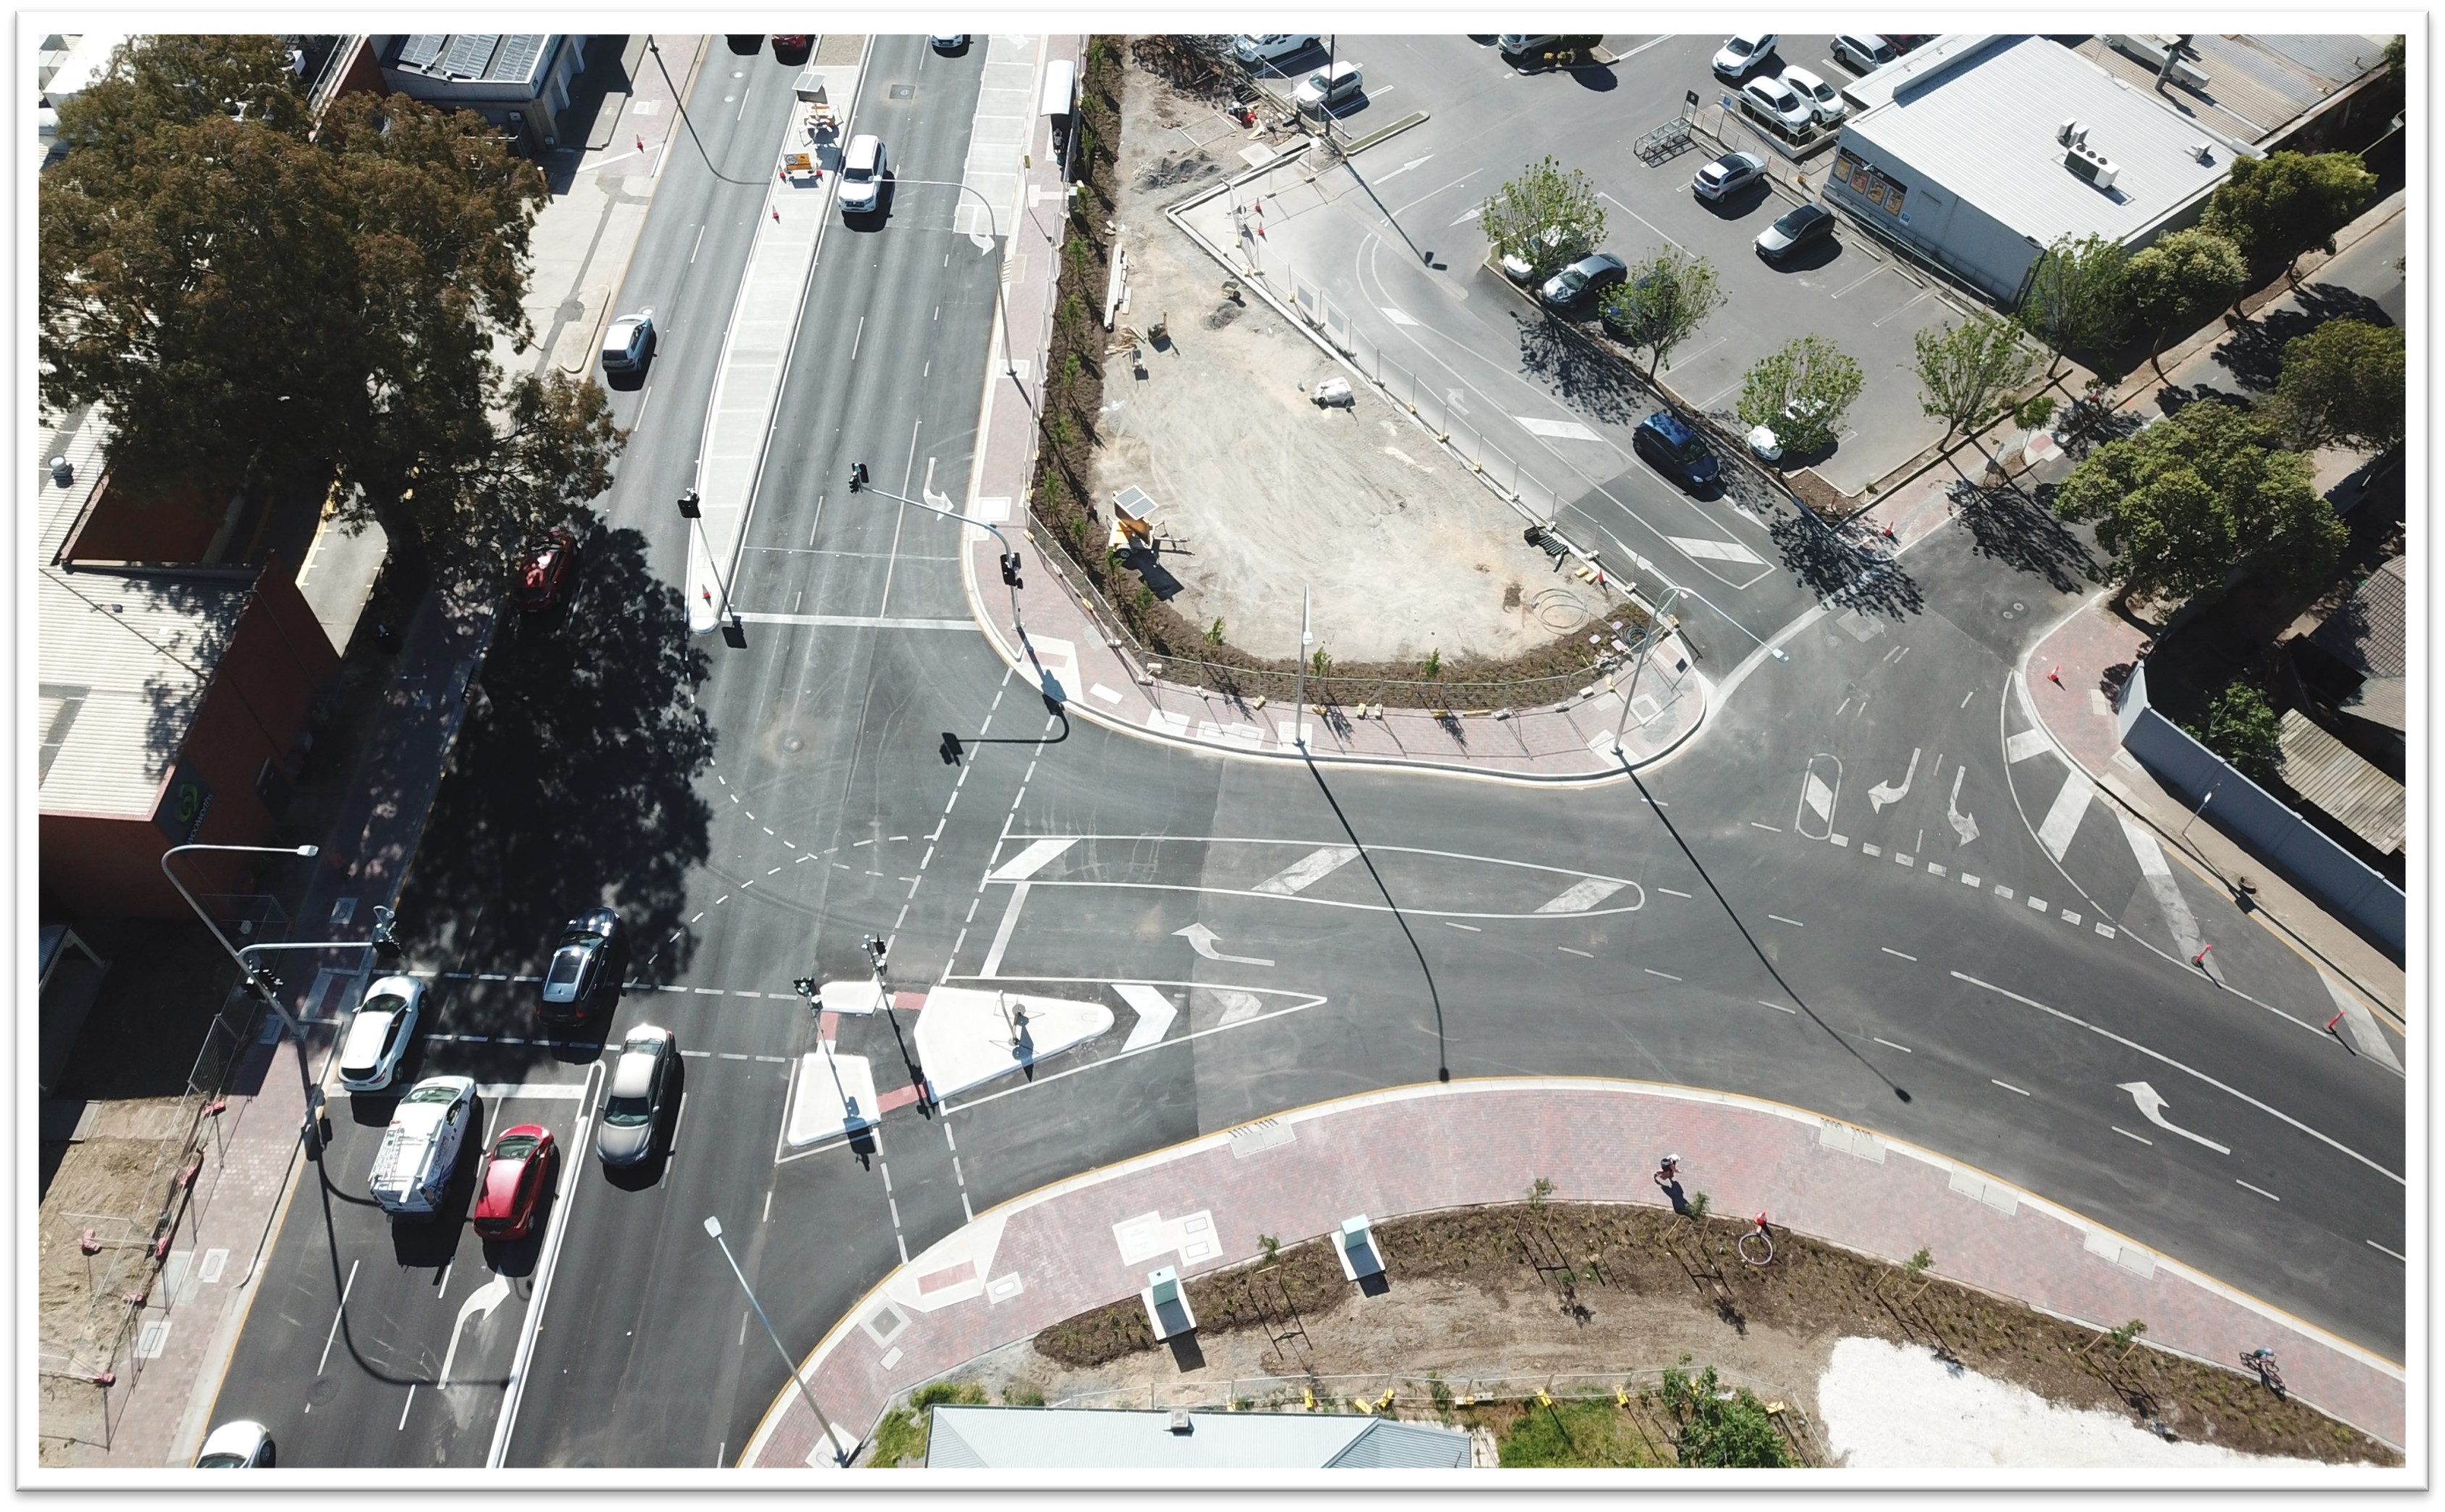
(857, 174)
(1739, 48)
(1572, 280)
(565, 967)
(515, 1146)
(221, 1461)
(1798, 221)
(626, 1112)
(434, 1094)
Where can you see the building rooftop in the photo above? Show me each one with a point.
(467, 57)
(2337, 779)
(2255, 85)
(2367, 632)
(1018, 1438)
(1980, 117)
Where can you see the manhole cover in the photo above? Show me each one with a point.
(904, 91)
(793, 743)
(2017, 609)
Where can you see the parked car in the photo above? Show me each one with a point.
(586, 968)
(380, 1032)
(1328, 88)
(1907, 43)
(419, 1151)
(640, 1095)
(950, 42)
(628, 344)
(1779, 103)
(790, 43)
(1517, 45)
(1799, 227)
(244, 1445)
(1822, 98)
(1674, 449)
(1741, 53)
(1733, 170)
(1575, 285)
(1272, 46)
(517, 1174)
(542, 572)
(1766, 442)
(1862, 52)
(862, 171)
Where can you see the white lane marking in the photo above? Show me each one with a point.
(2361, 1022)
(1963, 824)
(1768, 828)
(1889, 1045)
(1890, 951)
(1665, 975)
(2382, 1250)
(2159, 879)
(1002, 932)
(1398, 317)
(1586, 954)
(2128, 1134)
(1582, 895)
(1693, 546)
(1032, 860)
(1674, 891)
(1155, 1014)
(2062, 820)
(2160, 1057)
(554, 1090)
(1779, 919)
(2008, 1086)
(479, 1304)
(1778, 1007)
(2260, 1191)
(1308, 871)
(1561, 431)
(2026, 745)
(338, 1317)
(1884, 792)
(860, 622)
(1472, 929)
(1202, 940)
(1772, 647)
(2152, 1107)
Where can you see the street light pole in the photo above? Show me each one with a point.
(1655, 628)
(1009, 563)
(1307, 639)
(840, 1452)
(993, 227)
(262, 985)
(734, 630)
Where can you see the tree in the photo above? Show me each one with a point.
(2343, 384)
(1800, 393)
(2181, 277)
(1663, 300)
(1964, 369)
(2244, 729)
(1545, 218)
(1716, 1433)
(2078, 299)
(251, 291)
(2278, 207)
(2207, 492)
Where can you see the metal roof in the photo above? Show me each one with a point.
(1982, 124)
(2368, 632)
(469, 57)
(2255, 85)
(2334, 776)
(1020, 1438)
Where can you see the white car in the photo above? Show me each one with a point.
(380, 1032)
(244, 1445)
(1862, 51)
(419, 1150)
(1776, 100)
(1273, 47)
(1733, 170)
(1739, 54)
(862, 171)
(1327, 87)
(1821, 97)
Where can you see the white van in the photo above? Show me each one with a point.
(862, 171)
(419, 1150)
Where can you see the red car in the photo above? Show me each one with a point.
(543, 572)
(788, 44)
(516, 1175)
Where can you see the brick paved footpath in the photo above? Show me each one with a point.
(1058, 1252)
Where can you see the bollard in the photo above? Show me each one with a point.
(2201, 958)
(2055, 676)
(2332, 1022)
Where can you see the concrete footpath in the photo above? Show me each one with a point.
(159, 1401)
(1090, 1240)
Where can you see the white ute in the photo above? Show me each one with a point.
(419, 1150)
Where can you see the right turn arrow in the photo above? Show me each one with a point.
(2152, 1108)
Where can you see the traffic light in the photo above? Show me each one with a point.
(857, 476)
(1010, 569)
(385, 939)
(952, 749)
(878, 951)
(689, 506)
(805, 986)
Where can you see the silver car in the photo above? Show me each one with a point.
(380, 1032)
(640, 1095)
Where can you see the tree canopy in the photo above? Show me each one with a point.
(2278, 207)
(2181, 277)
(1663, 300)
(1546, 217)
(1800, 393)
(2207, 491)
(1964, 369)
(248, 289)
(2078, 300)
(2244, 729)
(2342, 385)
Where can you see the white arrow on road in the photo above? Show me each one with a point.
(2152, 1108)
(1963, 824)
(1202, 940)
(1884, 792)
(479, 1304)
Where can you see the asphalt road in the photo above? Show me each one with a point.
(754, 813)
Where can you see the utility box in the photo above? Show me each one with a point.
(1166, 1304)
(1354, 1245)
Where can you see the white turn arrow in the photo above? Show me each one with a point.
(1202, 940)
(1963, 824)
(479, 1304)
(2152, 1108)
(1884, 792)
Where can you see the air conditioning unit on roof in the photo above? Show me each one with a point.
(2091, 166)
(2071, 133)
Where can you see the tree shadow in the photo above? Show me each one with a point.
(1583, 374)
(1843, 571)
(574, 783)
(2253, 354)
(2018, 530)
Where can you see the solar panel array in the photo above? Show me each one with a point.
(469, 52)
(517, 56)
(420, 50)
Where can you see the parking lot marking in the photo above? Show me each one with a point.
(1642, 219)
(1715, 551)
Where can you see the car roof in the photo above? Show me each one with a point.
(1668, 425)
(1801, 78)
(1804, 214)
(636, 1069)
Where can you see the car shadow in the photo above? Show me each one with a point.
(1806, 259)
(1737, 204)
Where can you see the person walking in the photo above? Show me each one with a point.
(1668, 1178)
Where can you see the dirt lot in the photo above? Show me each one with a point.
(1262, 491)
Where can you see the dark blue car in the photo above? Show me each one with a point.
(1668, 443)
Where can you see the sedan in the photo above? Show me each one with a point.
(542, 573)
(950, 42)
(1583, 280)
(641, 1091)
(1739, 54)
(1799, 227)
(1821, 97)
(517, 1174)
(586, 966)
(1733, 170)
(1273, 47)
(244, 1445)
(380, 1032)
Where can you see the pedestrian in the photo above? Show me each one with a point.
(1668, 1178)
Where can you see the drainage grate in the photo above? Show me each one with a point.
(1265, 1134)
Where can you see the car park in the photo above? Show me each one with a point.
(1824, 100)
(1325, 88)
(380, 1032)
(1582, 282)
(1732, 170)
(518, 1172)
(419, 1151)
(1862, 52)
(1743, 53)
(1672, 447)
(542, 572)
(1778, 104)
(586, 968)
(1272, 46)
(628, 344)
(640, 1095)
(862, 171)
(1799, 227)
(243, 1445)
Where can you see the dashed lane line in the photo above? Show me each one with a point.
(2008, 1086)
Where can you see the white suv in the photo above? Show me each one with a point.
(1778, 103)
(862, 171)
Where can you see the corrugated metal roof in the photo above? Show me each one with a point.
(2255, 85)
(2331, 774)
(1983, 129)
(2367, 633)
(1013, 1438)
(2382, 701)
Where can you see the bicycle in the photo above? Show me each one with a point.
(2262, 1360)
(1763, 1236)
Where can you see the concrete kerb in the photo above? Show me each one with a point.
(1001, 1213)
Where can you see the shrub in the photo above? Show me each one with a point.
(1721, 1433)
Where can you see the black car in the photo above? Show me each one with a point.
(1583, 281)
(1668, 442)
(1803, 226)
(586, 969)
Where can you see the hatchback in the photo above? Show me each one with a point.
(862, 171)
(1668, 443)
(1272, 46)
(586, 967)
(1821, 97)
(1583, 280)
(628, 344)
(1799, 227)
(517, 1174)
(641, 1091)
(1733, 170)
(1862, 52)
(244, 1445)
(1327, 87)
(380, 1032)
(1742, 53)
